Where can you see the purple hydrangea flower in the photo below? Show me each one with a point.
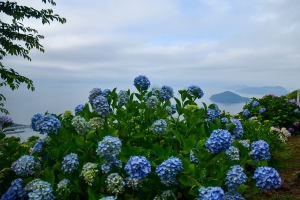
(211, 193)
(297, 124)
(79, 108)
(262, 110)
(260, 150)
(291, 130)
(5, 120)
(195, 91)
(238, 130)
(138, 167)
(166, 93)
(168, 170)
(267, 178)
(93, 94)
(24, 166)
(219, 141)
(159, 126)
(101, 106)
(142, 82)
(255, 104)
(70, 163)
(246, 113)
(235, 177)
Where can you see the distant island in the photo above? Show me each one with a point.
(228, 97)
(277, 90)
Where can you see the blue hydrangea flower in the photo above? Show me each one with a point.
(93, 94)
(89, 171)
(168, 170)
(138, 167)
(267, 178)
(246, 113)
(16, 190)
(159, 126)
(24, 166)
(115, 184)
(193, 158)
(262, 110)
(174, 109)
(233, 195)
(106, 92)
(195, 91)
(152, 102)
(134, 183)
(166, 93)
(70, 163)
(255, 104)
(224, 120)
(123, 98)
(235, 177)
(245, 143)
(34, 120)
(155, 92)
(46, 124)
(260, 150)
(219, 141)
(233, 153)
(63, 187)
(238, 130)
(38, 189)
(109, 198)
(142, 82)
(101, 106)
(79, 108)
(211, 193)
(107, 165)
(109, 147)
(213, 114)
(96, 122)
(168, 194)
(38, 147)
(80, 125)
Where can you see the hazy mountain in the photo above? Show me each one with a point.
(228, 97)
(277, 90)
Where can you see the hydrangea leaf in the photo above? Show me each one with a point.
(188, 181)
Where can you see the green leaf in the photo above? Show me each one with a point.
(57, 166)
(139, 135)
(79, 140)
(158, 150)
(93, 195)
(188, 181)
(48, 175)
(90, 135)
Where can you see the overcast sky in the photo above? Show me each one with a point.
(174, 42)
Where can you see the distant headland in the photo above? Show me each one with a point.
(228, 97)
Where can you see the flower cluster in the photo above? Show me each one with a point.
(138, 167)
(16, 190)
(159, 126)
(166, 93)
(38, 147)
(109, 198)
(262, 110)
(238, 130)
(115, 183)
(134, 183)
(246, 113)
(233, 195)
(24, 166)
(45, 124)
(67, 114)
(224, 120)
(152, 102)
(95, 92)
(5, 120)
(106, 92)
(195, 91)
(96, 123)
(245, 143)
(168, 194)
(267, 178)
(89, 172)
(168, 170)
(260, 150)
(211, 193)
(70, 163)
(235, 177)
(63, 187)
(80, 125)
(106, 166)
(142, 82)
(213, 113)
(193, 158)
(192, 107)
(297, 124)
(233, 153)
(79, 109)
(155, 91)
(123, 98)
(219, 141)
(255, 104)
(101, 106)
(38, 189)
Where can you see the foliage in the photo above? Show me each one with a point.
(126, 158)
(292, 95)
(12, 34)
(279, 111)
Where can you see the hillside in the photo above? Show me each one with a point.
(228, 97)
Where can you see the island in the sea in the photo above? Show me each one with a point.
(228, 97)
(277, 90)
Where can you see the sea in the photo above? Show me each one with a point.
(23, 104)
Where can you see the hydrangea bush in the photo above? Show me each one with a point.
(145, 144)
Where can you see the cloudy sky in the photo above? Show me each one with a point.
(214, 43)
